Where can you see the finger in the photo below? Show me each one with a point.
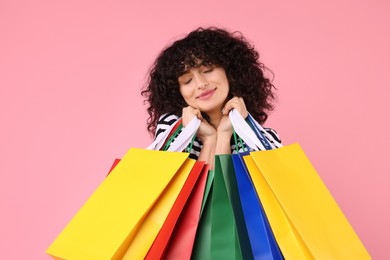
(186, 116)
(236, 103)
(188, 113)
(243, 111)
(232, 103)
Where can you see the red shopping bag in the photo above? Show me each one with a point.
(158, 247)
(182, 240)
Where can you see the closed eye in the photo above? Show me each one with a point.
(208, 70)
(187, 81)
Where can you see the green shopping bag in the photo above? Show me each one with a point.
(202, 244)
(224, 235)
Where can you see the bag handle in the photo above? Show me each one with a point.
(244, 131)
(174, 133)
(161, 139)
(166, 141)
(260, 131)
(186, 137)
(253, 137)
(244, 147)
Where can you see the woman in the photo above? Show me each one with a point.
(206, 74)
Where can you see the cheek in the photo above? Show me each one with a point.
(186, 92)
(182, 92)
(226, 88)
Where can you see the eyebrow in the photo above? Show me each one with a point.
(184, 72)
(196, 66)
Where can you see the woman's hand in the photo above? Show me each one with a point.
(225, 128)
(237, 103)
(205, 131)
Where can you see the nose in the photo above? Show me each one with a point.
(201, 81)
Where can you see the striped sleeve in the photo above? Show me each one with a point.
(164, 122)
(167, 120)
(273, 137)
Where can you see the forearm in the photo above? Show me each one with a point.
(217, 144)
(208, 151)
(223, 143)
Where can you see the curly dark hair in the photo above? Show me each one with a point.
(211, 46)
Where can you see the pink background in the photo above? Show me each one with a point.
(70, 79)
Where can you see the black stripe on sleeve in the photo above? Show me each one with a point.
(273, 134)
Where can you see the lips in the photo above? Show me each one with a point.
(206, 94)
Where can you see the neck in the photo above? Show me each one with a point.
(215, 118)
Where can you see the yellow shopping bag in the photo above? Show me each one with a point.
(289, 241)
(107, 223)
(306, 220)
(151, 225)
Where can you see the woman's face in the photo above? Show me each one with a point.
(205, 88)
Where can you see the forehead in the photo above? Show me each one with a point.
(196, 63)
(187, 68)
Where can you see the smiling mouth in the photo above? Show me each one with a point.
(207, 94)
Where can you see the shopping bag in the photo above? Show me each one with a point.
(123, 216)
(313, 226)
(164, 234)
(176, 237)
(156, 217)
(308, 204)
(289, 241)
(182, 240)
(182, 237)
(202, 244)
(262, 240)
(181, 248)
(166, 210)
(115, 163)
(229, 177)
(108, 221)
(225, 242)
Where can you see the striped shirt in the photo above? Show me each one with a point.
(167, 120)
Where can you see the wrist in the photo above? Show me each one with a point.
(209, 140)
(225, 134)
(223, 142)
